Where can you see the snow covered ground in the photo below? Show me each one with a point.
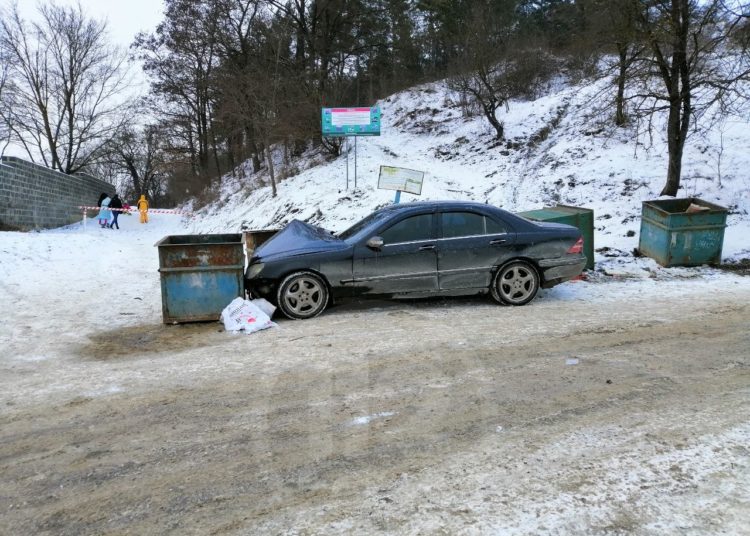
(82, 278)
(462, 416)
(60, 285)
(660, 449)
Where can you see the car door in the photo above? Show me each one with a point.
(470, 245)
(406, 262)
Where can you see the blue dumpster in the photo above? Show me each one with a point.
(682, 232)
(200, 275)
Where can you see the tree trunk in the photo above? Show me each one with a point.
(270, 168)
(253, 146)
(489, 112)
(620, 118)
(215, 150)
(675, 144)
(679, 89)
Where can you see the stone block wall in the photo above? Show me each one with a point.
(35, 197)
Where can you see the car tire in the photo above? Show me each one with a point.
(515, 283)
(302, 295)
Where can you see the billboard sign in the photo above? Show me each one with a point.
(338, 122)
(401, 179)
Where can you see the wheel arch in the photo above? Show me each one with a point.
(287, 273)
(493, 291)
(534, 264)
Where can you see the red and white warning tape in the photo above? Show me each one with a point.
(165, 211)
(134, 209)
(112, 209)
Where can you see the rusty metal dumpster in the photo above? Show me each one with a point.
(255, 238)
(583, 218)
(682, 232)
(200, 275)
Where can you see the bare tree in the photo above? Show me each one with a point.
(5, 105)
(136, 158)
(68, 85)
(690, 58)
(250, 95)
(483, 68)
(613, 26)
(180, 59)
(494, 64)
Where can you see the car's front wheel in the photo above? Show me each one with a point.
(516, 283)
(302, 295)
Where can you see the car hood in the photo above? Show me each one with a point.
(298, 238)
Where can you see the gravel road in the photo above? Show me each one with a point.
(626, 412)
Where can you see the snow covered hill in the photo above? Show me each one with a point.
(559, 148)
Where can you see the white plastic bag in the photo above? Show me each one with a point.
(265, 306)
(244, 315)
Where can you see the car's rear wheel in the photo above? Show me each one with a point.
(302, 295)
(516, 283)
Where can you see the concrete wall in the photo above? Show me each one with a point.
(35, 197)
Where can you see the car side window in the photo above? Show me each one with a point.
(410, 229)
(494, 227)
(456, 224)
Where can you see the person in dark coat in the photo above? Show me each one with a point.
(116, 203)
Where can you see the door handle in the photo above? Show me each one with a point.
(498, 241)
(427, 247)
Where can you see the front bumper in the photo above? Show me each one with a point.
(260, 287)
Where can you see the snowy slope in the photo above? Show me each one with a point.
(559, 149)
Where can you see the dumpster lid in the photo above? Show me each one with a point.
(199, 239)
(677, 206)
(552, 212)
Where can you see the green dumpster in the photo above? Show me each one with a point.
(583, 218)
(200, 275)
(682, 232)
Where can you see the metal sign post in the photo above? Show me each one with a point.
(355, 162)
(346, 122)
(347, 163)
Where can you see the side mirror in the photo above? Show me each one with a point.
(375, 243)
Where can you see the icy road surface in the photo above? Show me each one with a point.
(613, 406)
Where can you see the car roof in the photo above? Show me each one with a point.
(416, 206)
(419, 205)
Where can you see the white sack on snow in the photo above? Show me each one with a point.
(244, 315)
(265, 306)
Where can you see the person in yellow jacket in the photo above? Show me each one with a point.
(143, 209)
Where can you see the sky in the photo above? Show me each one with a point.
(125, 18)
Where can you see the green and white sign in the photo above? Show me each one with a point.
(401, 179)
(336, 122)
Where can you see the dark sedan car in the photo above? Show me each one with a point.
(415, 250)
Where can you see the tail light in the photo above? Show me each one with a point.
(577, 247)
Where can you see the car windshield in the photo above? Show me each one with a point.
(363, 223)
